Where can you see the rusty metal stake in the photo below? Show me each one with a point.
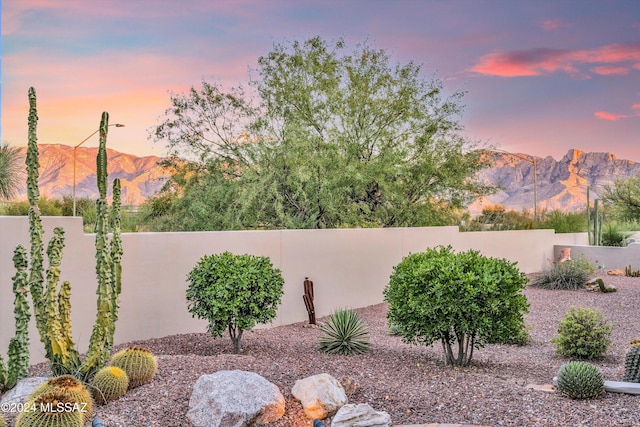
(308, 300)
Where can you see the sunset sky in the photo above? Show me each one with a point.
(542, 76)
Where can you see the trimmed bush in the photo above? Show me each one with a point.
(583, 334)
(234, 293)
(345, 333)
(465, 299)
(580, 380)
(569, 275)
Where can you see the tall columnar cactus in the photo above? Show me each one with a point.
(18, 355)
(632, 363)
(52, 304)
(108, 270)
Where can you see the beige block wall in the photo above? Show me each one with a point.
(349, 268)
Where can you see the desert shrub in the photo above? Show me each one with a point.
(569, 275)
(564, 222)
(344, 333)
(583, 334)
(234, 293)
(612, 235)
(580, 380)
(48, 207)
(456, 298)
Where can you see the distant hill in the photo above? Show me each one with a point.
(562, 184)
(140, 177)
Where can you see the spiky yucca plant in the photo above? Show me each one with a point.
(345, 333)
(580, 380)
(632, 363)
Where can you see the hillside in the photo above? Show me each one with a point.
(140, 177)
(562, 184)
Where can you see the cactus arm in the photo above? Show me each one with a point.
(98, 352)
(116, 257)
(18, 363)
(64, 311)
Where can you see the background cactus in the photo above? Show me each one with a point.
(580, 380)
(76, 389)
(632, 363)
(52, 305)
(139, 364)
(18, 355)
(110, 383)
(55, 408)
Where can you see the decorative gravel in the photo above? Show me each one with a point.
(409, 382)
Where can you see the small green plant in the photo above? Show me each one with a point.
(234, 293)
(109, 384)
(139, 364)
(583, 334)
(567, 276)
(613, 236)
(465, 299)
(630, 272)
(345, 333)
(395, 328)
(76, 389)
(55, 408)
(580, 380)
(632, 363)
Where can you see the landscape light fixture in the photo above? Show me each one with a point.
(118, 125)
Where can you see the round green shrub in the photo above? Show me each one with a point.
(583, 334)
(345, 333)
(234, 293)
(580, 380)
(456, 298)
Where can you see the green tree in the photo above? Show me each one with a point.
(624, 197)
(340, 137)
(463, 299)
(11, 171)
(234, 293)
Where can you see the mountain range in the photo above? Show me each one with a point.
(561, 184)
(140, 177)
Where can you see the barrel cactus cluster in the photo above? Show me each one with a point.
(129, 368)
(632, 363)
(580, 380)
(76, 389)
(3, 422)
(54, 408)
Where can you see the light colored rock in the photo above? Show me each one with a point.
(616, 272)
(22, 390)
(549, 388)
(321, 395)
(361, 415)
(234, 399)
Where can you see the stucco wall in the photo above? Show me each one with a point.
(609, 257)
(349, 268)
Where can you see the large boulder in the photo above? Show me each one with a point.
(321, 395)
(361, 415)
(234, 399)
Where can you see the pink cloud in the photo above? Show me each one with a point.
(539, 61)
(553, 24)
(606, 70)
(609, 116)
(636, 106)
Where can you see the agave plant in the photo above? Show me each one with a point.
(345, 333)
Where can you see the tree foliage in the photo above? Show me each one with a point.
(463, 299)
(335, 137)
(11, 171)
(624, 197)
(234, 293)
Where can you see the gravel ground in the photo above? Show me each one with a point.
(409, 382)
